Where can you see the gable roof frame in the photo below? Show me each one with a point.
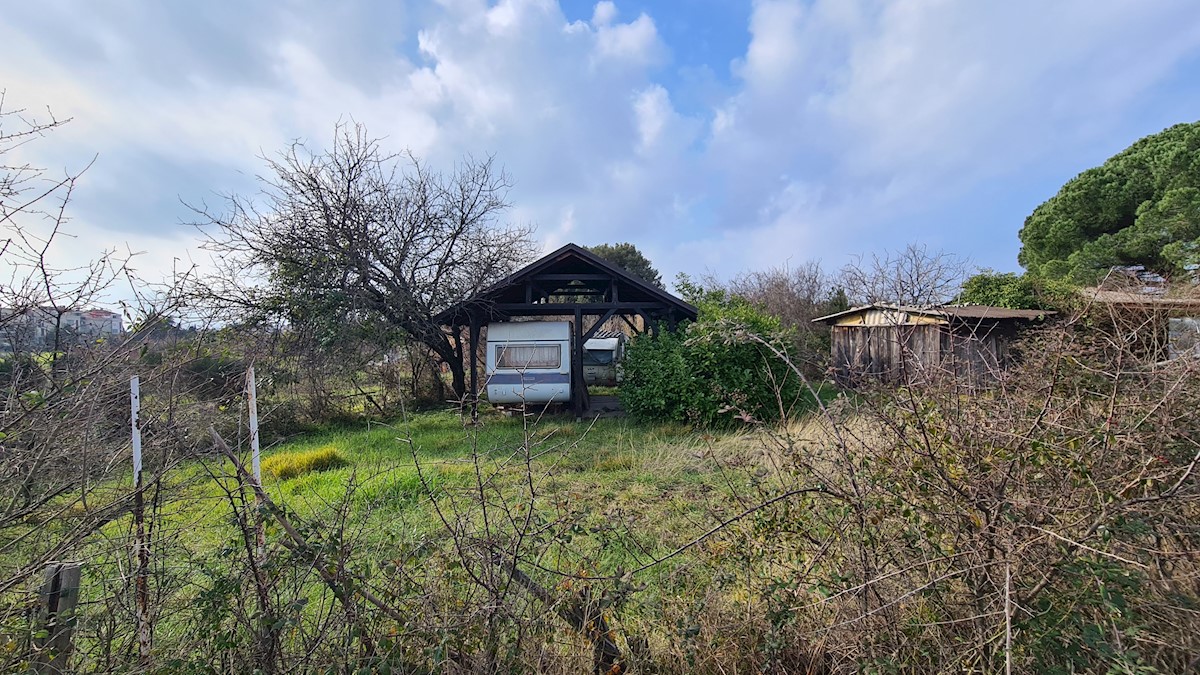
(573, 270)
(539, 288)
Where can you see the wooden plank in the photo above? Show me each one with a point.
(56, 613)
(572, 277)
(260, 537)
(578, 385)
(519, 309)
(252, 404)
(141, 545)
(596, 326)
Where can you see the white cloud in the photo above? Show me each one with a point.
(775, 52)
(843, 116)
(635, 43)
(604, 13)
(653, 109)
(884, 109)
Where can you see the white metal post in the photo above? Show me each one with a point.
(141, 549)
(135, 407)
(260, 537)
(252, 395)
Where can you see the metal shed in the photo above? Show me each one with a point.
(904, 344)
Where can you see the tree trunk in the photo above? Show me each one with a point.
(451, 353)
(458, 379)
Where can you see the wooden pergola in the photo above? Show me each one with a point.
(571, 282)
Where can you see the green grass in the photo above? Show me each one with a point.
(614, 463)
(626, 493)
(288, 465)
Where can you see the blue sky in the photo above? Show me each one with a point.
(717, 135)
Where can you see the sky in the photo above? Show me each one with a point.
(716, 135)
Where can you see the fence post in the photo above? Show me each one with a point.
(260, 541)
(141, 547)
(56, 616)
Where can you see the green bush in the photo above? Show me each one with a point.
(713, 372)
(215, 375)
(21, 370)
(1016, 291)
(291, 464)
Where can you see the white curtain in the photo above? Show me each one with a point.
(519, 357)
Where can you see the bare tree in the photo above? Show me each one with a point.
(64, 401)
(797, 295)
(794, 294)
(34, 292)
(914, 276)
(351, 235)
(19, 179)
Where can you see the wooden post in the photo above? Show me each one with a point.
(56, 616)
(578, 385)
(252, 397)
(474, 359)
(141, 548)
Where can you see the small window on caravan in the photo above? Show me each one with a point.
(598, 357)
(518, 357)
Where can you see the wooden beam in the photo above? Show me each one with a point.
(578, 386)
(572, 277)
(596, 326)
(56, 610)
(651, 326)
(588, 308)
(474, 358)
(576, 290)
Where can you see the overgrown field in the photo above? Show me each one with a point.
(1046, 522)
(595, 500)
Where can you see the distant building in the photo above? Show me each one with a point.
(43, 327)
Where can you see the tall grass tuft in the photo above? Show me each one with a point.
(292, 464)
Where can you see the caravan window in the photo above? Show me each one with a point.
(598, 357)
(528, 356)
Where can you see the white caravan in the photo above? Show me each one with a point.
(529, 362)
(602, 357)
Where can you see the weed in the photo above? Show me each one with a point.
(289, 465)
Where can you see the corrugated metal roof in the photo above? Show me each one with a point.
(946, 312)
(861, 308)
(989, 312)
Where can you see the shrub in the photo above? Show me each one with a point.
(714, 371)
(215, 375)
(1026, 527)
(291, 464)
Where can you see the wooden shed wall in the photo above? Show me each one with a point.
(918, 353)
